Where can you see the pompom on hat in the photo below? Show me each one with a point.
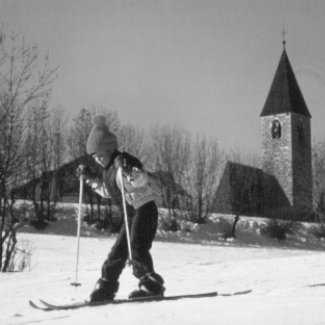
(100, 138)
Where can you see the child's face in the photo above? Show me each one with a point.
(103, 157)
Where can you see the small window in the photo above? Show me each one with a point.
(276, 130)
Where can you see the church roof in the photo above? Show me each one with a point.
(285, 95)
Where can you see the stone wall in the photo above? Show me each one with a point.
(277, 157)
(302, 164)
(287, 158)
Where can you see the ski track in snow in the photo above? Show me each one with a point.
(288, 284)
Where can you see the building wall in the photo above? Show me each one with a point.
(302, 165)
(240, 191)
(288, 160)
(222, 200)
(277, 160)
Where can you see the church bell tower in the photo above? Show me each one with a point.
(286, 147)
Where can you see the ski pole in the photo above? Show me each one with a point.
(120, 175)
(81, 189)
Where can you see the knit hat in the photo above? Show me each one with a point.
(100, 139)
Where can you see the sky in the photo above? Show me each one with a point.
(204, 66)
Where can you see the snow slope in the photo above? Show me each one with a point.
(288, 280)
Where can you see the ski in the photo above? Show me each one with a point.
(49, 307)
(46, 306)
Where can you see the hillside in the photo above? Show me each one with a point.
(287, 279)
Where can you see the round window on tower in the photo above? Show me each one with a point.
(276, 129)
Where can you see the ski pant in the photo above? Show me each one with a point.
(143, 226)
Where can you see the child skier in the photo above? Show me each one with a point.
(142, 214)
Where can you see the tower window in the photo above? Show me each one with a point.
(276, 130)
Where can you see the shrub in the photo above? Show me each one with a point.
(89, 219)
(21, 258)
(109, 220)
(318, 231)
(200, 220)
(279, 229)
(39, 224)
(186, 226)
(113, 226)
(170, 225)
(229, 228)
(22, 211)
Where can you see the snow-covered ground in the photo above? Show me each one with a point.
(287, 279)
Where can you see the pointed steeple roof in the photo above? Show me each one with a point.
(285, 95)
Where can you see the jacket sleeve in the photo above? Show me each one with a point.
(98, 186)
(137, 178)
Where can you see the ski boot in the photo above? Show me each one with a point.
(104, 290)
(150, 285)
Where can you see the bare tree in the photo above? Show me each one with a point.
(170, 151)
(169, 154)
(245, 158)
(51, 154)
(25, 79)
(203, 177)
(132, 140)
(194, 165)
(78, 134)
(34, 155)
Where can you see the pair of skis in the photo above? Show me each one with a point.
(46, 306)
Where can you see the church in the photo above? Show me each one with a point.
(283, 187)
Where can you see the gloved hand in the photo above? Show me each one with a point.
(122, 162)
(85, 172)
